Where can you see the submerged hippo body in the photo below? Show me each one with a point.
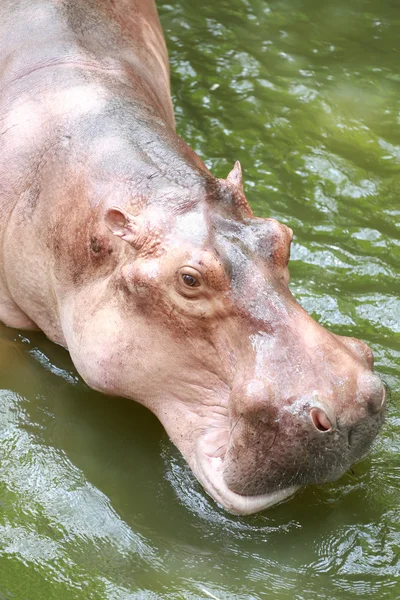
(120, 245)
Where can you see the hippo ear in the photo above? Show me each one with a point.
(235, 177)
(235, 183)
(122, 224)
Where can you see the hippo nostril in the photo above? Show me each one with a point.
(320, 420)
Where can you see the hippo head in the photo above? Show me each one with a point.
(259, 398)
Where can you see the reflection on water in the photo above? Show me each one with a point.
(94, 500)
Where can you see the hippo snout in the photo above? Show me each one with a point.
(277, 442)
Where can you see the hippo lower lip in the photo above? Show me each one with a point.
(209, 472)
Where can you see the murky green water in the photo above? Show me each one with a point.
(94, 501)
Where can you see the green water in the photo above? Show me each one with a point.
(94, 500)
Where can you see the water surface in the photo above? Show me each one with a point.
(94, 500)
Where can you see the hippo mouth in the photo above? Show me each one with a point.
(244, 482)
(205, 447)
(209, 464)
(209, 470)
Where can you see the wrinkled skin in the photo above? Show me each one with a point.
(120, 245)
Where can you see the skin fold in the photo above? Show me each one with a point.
(118, 243)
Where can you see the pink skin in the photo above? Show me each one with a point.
(120, 245)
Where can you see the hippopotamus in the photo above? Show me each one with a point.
(119, 244)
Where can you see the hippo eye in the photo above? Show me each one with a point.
(190, 280)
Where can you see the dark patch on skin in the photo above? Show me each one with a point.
(101, 249)
(95, 245)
